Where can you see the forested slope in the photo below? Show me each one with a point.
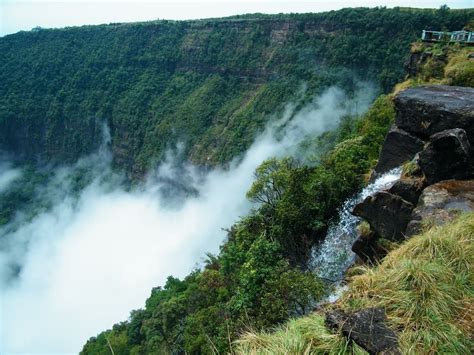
(209, 84)
(256, 282)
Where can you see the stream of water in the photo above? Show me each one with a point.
(331, 258)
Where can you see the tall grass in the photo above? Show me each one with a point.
(306, 335)
(425, 287)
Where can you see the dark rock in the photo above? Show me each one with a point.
(387, 214)
(416, 60)
(426, 110)
(399, 146)
(367, 328)
(440, 203)
(335, 319)
(447, 156)
(408, 189)
(368, 249)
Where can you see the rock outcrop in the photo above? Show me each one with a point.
(435, 127)
(421, 113)
(369, 249)
(426, 110)
(367, 328)
(440, 203)
(387, 214)
(447, 155)
(408, 189)
(399, 146)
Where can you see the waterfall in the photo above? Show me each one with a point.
(330, 259)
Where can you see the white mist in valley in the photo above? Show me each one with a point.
(95, 255)
(7, 175)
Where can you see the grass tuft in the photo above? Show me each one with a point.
(425, 287)
(306, 335)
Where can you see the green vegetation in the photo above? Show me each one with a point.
(257, 280)
(425, 286)
(213, 85)
(306, 335)
(210, 84)
(446, 64)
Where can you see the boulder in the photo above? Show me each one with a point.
(368, 249)
(408, 189)
(399, 146)
(387, 214)
(426, 110)
(447, 156)
(440, 203)
(367, 328)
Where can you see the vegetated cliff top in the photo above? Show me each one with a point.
(423, 286)
(417, 298)
(210, 84)
(253, 282)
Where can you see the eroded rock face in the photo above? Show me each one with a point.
(440, 203)
(368, 249)
(387, 214)
(399, 146)
(367, 328)
(447, 155)
(426, 110)
(408, 189)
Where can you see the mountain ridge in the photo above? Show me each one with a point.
(152, 83)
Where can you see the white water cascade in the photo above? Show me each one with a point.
(330, 259)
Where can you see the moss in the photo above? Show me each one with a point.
(364, 229)
(410, 168)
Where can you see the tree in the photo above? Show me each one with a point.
(271, 179)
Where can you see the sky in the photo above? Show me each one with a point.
(17, 15)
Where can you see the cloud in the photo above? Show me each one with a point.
(95, 255)
(7, 175)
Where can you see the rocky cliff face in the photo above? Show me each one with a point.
(433, 131)
(210, 84)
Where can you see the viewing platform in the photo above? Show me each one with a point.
(465, 37)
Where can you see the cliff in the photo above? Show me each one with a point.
(210, 84)
(410, 291)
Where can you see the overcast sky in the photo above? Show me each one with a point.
(16, 15)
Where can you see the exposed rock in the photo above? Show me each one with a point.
(447, 155)
(426, 110)
(399, 146)
(408, 189)
(440, 203)
(387, 214)
(368, 249)
(367, 328)
(416, 60)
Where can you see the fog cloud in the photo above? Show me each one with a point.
(7, 175)
(95, 254)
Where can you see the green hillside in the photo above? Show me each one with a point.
(257, 281)
(210, 84)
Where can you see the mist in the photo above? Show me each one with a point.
(96, 253)
(7, 175)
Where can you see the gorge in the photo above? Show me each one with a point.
(216, 163)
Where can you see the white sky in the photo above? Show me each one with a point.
(16, 15)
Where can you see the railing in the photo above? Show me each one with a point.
(440, 36)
